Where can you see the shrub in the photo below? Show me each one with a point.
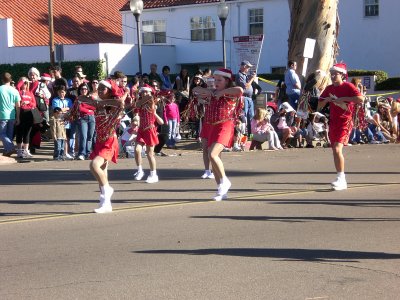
(380, 75)
(91, 69)
(389, 84)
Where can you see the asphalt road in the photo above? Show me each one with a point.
(281, 235)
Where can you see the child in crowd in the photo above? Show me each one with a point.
(147, 133)
(171, 116)
(128, 137)
(57, 130)
(263, 131)
(239, 139)
(65, 104)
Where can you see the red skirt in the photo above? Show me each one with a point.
(340, 132)
(148, 137)
(205, 130)
(222, 134)
(107, 150)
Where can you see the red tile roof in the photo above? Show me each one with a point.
(167, 3)
(75, 21)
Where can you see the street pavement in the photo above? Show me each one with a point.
(282, 234)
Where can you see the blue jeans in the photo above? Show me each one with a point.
(248, 112)
(58, 149)
(6, 134)
(86, 127)
(71, 137)
(293, 100)
(171, 132)
(378, 134)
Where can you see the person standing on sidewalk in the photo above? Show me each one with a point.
(9, 113)
(245, 81)
(341, 96)
(293, 84)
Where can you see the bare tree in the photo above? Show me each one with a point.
(319, 20)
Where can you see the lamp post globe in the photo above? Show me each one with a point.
(223, 11)
(136, 7)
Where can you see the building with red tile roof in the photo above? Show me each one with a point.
(75, 22)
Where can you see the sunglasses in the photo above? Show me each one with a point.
(84, 88)
(95, 82)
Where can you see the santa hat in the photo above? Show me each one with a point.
(46, 77)
(224, 73)
(340, 67)
(147, 88)
(106, 83)
(166, 93)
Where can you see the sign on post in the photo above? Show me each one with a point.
(308, 53)
(248, 47)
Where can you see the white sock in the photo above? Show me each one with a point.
(224, 180)
(208, 172)
(236, 145)
(153, 173)
(341, 175)
(104, 188)
(140, 169)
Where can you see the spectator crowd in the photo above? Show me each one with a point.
(38, 108)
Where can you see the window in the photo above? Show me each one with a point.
(202, 29)
(256, 21)
(154, 32)
(371, 8)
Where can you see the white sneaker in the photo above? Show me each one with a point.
(81, 157)
(26, 154)
(139, 175)
(339, 184)
(207, 175)
(222, 192)
(223, 188)
(68, 156)
(236, 149)
(103, 209)
(220, 197)
(152, 179)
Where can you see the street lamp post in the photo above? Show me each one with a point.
(136, 7)
(223, 11)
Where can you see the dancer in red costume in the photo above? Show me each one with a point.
(225, 103)
(147, 133)
(109, 108)
(341, 96)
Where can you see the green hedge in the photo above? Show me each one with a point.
(388, 84)
(380, 75)
(91, 68)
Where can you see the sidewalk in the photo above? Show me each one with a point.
(45, 153)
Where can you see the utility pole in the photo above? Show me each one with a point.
(51, 32)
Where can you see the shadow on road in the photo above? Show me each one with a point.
(318, 255)
(297, 219)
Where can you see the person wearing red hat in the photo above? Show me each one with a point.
(147, 133)
(341, 96)
(225, 104)
(109, 107)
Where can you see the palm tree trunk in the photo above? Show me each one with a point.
(319, 20)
